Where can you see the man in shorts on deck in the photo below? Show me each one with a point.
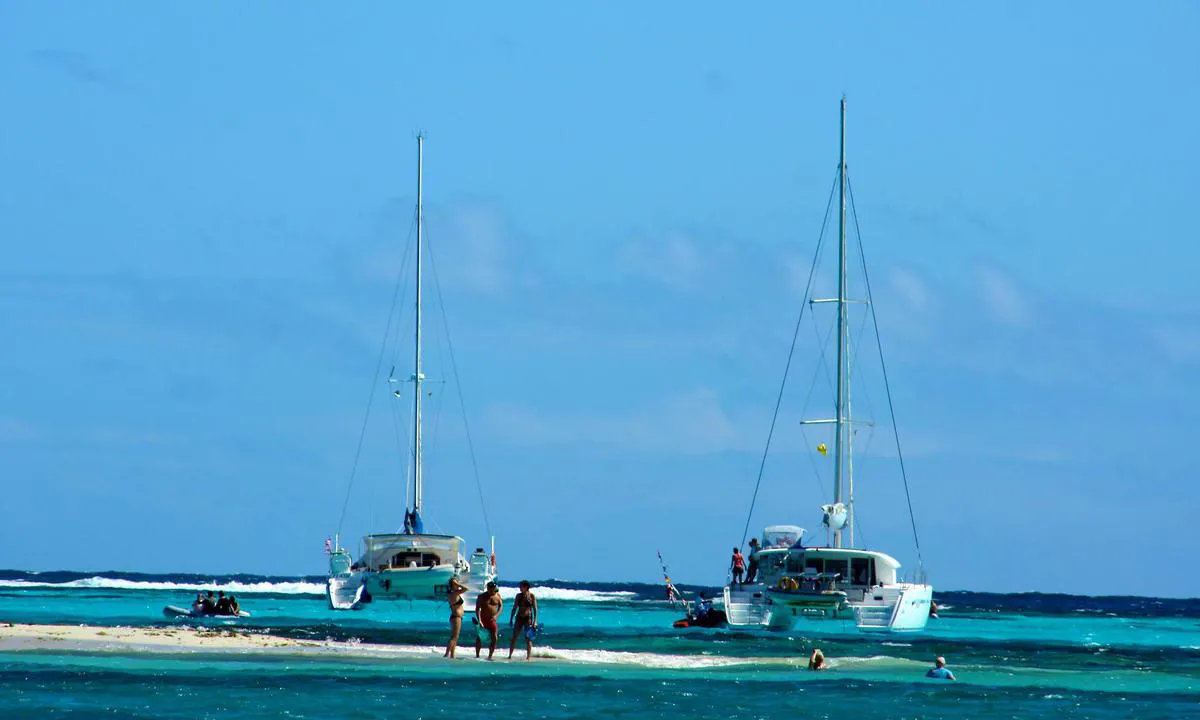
(487, 609)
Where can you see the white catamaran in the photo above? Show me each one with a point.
(796, 584)
(410, 564)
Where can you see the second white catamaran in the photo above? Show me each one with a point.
(799, 584)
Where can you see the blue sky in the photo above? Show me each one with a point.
(202, 210)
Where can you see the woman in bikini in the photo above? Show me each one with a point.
(454, 597)
(525, 612)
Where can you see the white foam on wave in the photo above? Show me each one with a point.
(658, 660)
(294, 588)
(283, 588)
(549, 593)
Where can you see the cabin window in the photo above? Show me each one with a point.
(405, 559)
(837, 566)
(814, 564)
(862, 571)
(793, 563)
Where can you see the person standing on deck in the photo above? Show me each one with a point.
(752, 569)
(737, 566)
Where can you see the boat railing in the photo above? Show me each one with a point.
(916, 577)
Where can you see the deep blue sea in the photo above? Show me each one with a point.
(608, 651)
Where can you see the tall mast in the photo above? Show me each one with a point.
(840, 444)
(418, 377)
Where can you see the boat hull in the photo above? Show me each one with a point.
(174, 611)
(892, 609)
(410, 583)
(354, 590)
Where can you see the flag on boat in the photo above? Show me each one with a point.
(673, 595)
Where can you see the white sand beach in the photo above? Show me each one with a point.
(185, 639)
(34, 637)
(91, 638)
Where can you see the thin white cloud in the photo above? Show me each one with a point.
(689, 423)
(1180, 344)
(14, 431)
(676, 262)
(911, 289)
(474, 250)
(1003, 299)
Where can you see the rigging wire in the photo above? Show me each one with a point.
(461, 402)
(788, 365)
(803, 428)
(887, 386)
(400, 425)
(362, 433)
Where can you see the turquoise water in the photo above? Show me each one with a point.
(608, 651)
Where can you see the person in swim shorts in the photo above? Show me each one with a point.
(524, 610)
(487, 608)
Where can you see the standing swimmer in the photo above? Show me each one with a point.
(454, 598)
(525, 611)
(487, 608)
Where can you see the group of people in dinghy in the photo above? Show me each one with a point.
(220, 605)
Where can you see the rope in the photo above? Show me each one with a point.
(362, 432)
(787, 367)
(461, 403)
(887, 386)
(817, 475)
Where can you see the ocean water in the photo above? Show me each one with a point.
(608, 651)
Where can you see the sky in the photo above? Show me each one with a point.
(204, 209)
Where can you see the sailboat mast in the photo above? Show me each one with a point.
(839, 443)
(417, 375)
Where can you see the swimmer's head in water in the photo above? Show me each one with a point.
(940, 662)
(524, 584)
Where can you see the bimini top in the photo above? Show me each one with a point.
(781, 536)
(406, 541)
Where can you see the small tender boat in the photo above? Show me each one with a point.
(711, 619)
(172, 611)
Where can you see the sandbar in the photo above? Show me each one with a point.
(17, 637)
